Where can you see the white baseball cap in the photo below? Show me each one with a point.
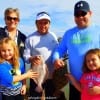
(43, 15)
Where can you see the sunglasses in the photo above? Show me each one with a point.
(12, 18)
(80, 14)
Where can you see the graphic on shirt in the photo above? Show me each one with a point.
(79, 39)
(15, 72)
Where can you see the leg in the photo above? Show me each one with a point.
(19, 97)
(49, 88)
(74, 93)
(33, 94)
(0, 96)
(4, 97)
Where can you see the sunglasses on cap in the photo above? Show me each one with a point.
(12, 18)
(80, 14)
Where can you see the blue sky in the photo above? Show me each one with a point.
(61, 12)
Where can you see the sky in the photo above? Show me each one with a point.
(61, 12)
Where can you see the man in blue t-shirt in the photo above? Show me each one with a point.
(77, 41)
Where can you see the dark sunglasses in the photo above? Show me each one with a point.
(79, 14)
(12, 18)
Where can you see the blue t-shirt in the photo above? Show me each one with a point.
(76, 42)
(7, 86)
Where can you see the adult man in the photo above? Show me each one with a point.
(41, 42)
(77, 41)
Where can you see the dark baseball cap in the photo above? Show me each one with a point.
(81, 6)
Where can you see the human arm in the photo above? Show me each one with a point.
(59, 52)
(28, 74)
(76, 83)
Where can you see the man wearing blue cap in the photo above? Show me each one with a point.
(76, 42)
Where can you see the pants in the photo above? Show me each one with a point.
(0, 96)
(17, 97)
(74, 94)
(48, 86)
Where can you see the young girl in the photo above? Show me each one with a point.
(89, 84)
(12, 71)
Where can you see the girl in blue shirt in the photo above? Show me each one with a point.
(12, 72)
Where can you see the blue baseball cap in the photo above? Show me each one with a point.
(81, 6)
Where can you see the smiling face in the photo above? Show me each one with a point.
(93, 62)
(43, 26)
(7, 52)
(11, 18)
(11, 21)
(82, 19)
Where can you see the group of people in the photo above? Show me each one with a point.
(41, 49)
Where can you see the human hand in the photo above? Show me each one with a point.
(23, 90)
(36, 60)
(31, 74)
(69, 76)
(58, 63)
(94, 90)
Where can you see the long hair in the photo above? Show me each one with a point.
(91, 51)
(15, 58)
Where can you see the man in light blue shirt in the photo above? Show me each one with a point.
(41, 42)
(76, 42)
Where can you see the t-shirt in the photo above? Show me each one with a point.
(89, 80)
(7, 86)
(76, 42)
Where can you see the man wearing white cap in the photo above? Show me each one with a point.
(41, 42)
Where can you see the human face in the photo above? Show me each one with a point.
(83, 20)
(7, 52)
(43, 26)
(93, 62)
(11, 21)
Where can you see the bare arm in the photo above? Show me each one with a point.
(28, 74)
(76, 84)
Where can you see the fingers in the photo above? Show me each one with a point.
(58, 64)
(36, 60)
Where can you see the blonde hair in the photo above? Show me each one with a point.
(15, 59)
(12, 10)
(91, 51)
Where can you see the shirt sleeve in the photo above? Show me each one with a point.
(27, 51)
(5, 75)
(61, 49)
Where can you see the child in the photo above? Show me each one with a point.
(89, 84)
(12, 71)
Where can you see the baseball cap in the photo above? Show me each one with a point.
(81, 6)
(43, 15)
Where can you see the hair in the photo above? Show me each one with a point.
(91, 51)
(12, 10)
(43, 12)
(15, 59)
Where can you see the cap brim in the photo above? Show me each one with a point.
(40, 17)
(84, 10)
